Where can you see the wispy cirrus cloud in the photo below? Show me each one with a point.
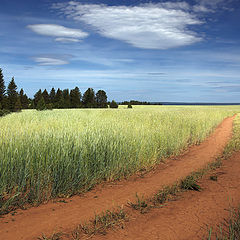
(50, 61)
(149, 26)
(61, 33)
(211, 5)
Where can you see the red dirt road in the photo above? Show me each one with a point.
(55, 217)
(191, 216)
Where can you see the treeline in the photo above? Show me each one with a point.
(11, 100)
(134, 102)
(70, 99)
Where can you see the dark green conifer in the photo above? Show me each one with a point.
(18, 105)
(113, 104)
(89, 99)
(75, 98)
(37, 97)
(41, 104)
(52, 95)
(2, 88)
(101, 99)
(23, 99)
(12, 95)
(59, 101)
(66, 98)
(46, 96)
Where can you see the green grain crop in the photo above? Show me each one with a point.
(57, 153)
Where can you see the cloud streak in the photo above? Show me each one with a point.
(62, 34)
(50, 61)
(147, 26)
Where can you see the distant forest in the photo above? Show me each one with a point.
(12, 101)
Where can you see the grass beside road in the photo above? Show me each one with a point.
(59, 153)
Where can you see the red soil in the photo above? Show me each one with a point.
(55, 217)
(193, 215)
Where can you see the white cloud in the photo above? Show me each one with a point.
(211, 5)
(172, 5)
(49, 61)
(150, 26)
(61, 33)
(201, 8)
(67, 40)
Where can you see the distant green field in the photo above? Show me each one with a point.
(62, 152)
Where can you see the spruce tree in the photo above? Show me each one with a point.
(59, 101)
(75, 98)
(37, 97)
(41, 104)
(31, 104)
(52, 95)
(2, 88)
(101, 99)
(46, 96)
(89, 99)
(23, 99)
(21, 93)
(18, 105)
(66, 98)
(12, 95)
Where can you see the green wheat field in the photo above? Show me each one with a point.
(49, 154)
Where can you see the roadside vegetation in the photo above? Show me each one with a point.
(230, 229)
(60, 153)
(100, 224)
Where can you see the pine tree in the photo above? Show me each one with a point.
(23, 99)
(59, 101)
(31, 104)
(21, 93)
(89, 99)
(2, 89)
(41, 104)
(66, 98)
(52, 95)
(12, 95)
(18, 105)
(75, 98)
(5, 102)
(37, 97)
(46, 96)
(101, 99)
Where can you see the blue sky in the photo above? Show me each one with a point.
(186, 51)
